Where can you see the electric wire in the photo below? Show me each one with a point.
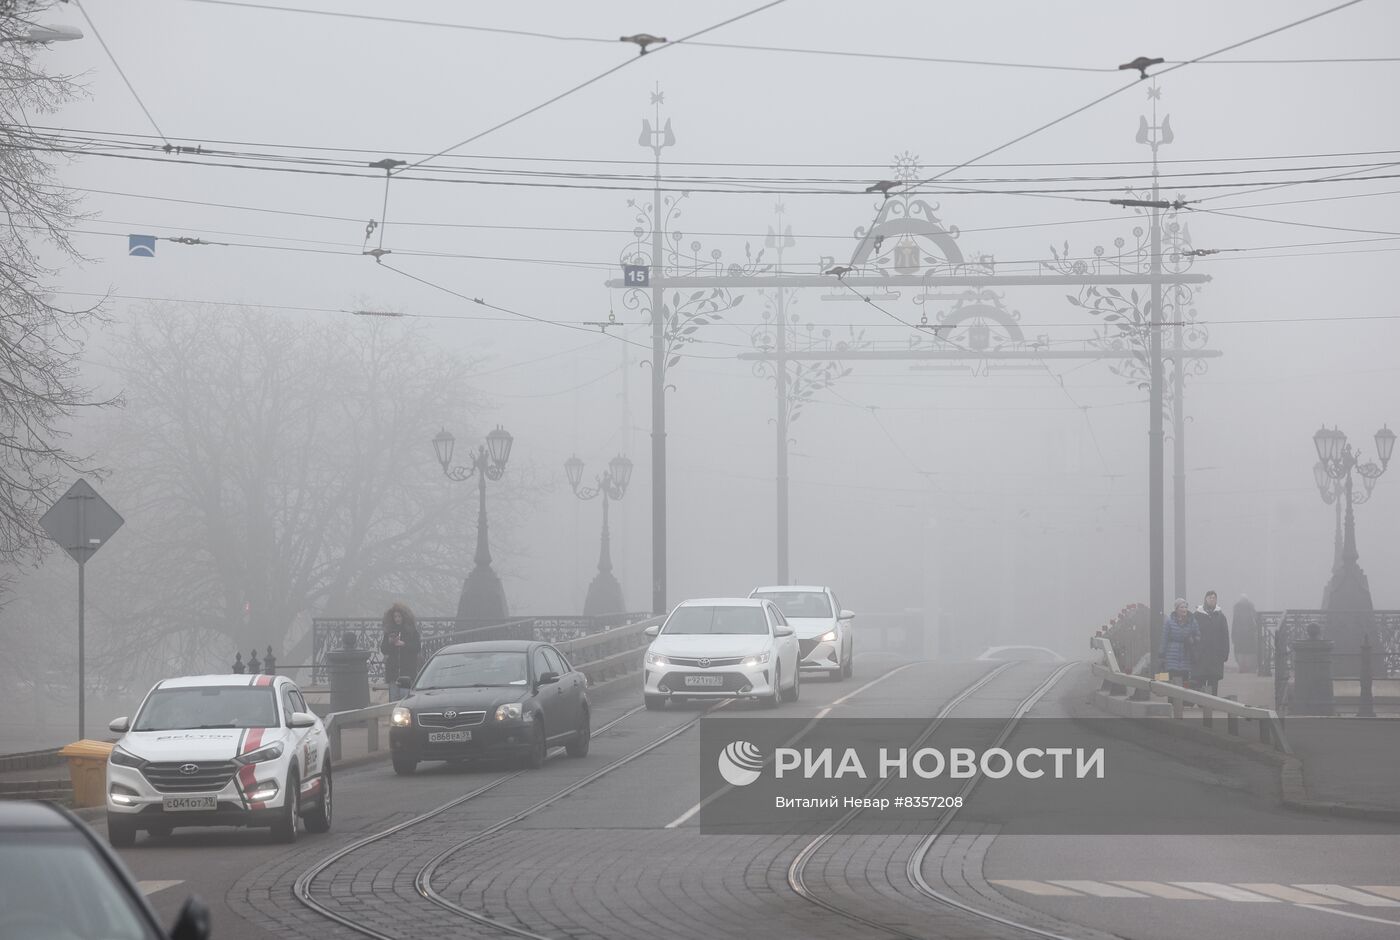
(97, 34)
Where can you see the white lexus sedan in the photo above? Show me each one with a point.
(730, 647)
(825, 640)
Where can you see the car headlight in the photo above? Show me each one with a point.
(125, 758)
(828, 637)
(509, 712)
(656, 659)
(271, 752)
(758, 660)
(401, 717)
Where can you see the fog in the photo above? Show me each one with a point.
(1008, 505)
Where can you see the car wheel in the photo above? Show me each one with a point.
(655, 703)
(578, 747)
(795, 692)
(404, 766)
(848, 667)
(319, 819)
(120, 832)
(776, 699)
(534, 759)
(285, 828)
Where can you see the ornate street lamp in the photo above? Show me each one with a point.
(1348, 595)
(604, 592)
(483, 597)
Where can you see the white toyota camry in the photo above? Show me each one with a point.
(219, 751)
(728, 647)
(825, 639)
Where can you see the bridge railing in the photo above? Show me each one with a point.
(1270, 725)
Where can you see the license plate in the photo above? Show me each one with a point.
(182, 804)
(704, 680)
(448, 737)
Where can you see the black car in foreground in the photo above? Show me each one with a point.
(59, 881)
(508, 698)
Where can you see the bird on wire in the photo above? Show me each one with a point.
(840, 271)
(883, 187)
(1141, 63)
(642, 40)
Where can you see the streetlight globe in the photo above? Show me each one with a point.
(498, 443)
(621, 469)
(1385, 444)
(573, 469)
(1321, 478)
(443, 444)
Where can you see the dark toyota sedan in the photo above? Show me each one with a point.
(507, 698)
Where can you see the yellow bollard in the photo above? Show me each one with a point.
(87, 766)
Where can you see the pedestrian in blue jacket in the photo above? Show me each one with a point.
(1181, 636)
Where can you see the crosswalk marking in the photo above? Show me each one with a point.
(1098, 889)
(151, 887)
(1039, 888)
(1286, 893)
(1159, 890)
(1320, 896)
(1350, 895)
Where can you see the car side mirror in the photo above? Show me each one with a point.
(119, 725)
(404, 682)
(848, 615)
(192, 922)
(653, 630)
(548, 678)
(301, 720)
(782, 631)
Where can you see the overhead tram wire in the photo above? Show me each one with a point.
(1119, 91)
(97, 34)
(749, 47)
(597, 78)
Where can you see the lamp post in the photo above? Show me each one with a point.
(483, 597)
(1348, 595)
(604, 592)
(1331, 492)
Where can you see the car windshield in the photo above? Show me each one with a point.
(220, 706)
(59, 887)
(717, 620)
(467, 669)
(800, 603)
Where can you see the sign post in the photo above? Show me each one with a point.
(81, 522)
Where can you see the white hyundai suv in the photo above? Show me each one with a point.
(219, 751)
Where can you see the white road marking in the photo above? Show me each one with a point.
(1350, 895)
(1388, 891)
(1286, 893)
(1159, 890)
(1225, 892)
(683, 817)
(1039, 888)
(1099, 889)
(149, 888)
(1353, 916)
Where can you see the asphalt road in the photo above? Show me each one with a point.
(621, 854)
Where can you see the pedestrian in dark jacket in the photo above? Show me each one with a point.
(1244, 634)
(1215, 644)
(401, 646)
(1180, 638)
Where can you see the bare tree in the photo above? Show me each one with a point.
(269, 468)
(39, 340)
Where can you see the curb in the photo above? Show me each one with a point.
(1294, 788)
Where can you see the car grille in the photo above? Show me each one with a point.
(459, 720)
(805, 647)
(167, 777)
(711, 663)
